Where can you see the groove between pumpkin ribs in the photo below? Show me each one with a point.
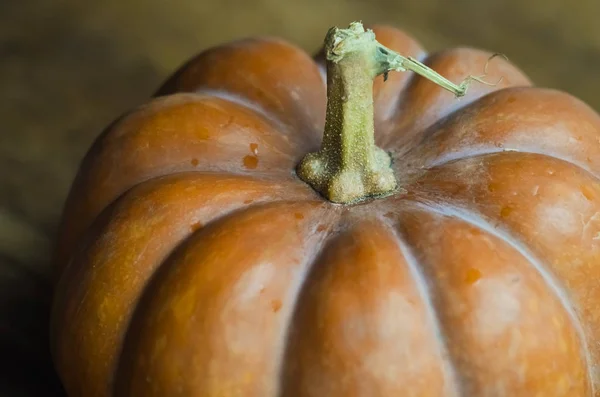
(486, 151)
(274, 177)
(305, 145)
(240, 100)
(503, 234)
(297, 293)
(414, 268)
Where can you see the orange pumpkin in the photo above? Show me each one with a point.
(193, 261)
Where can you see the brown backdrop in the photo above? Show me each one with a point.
(69, 67)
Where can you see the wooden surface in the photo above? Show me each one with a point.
(68, 68)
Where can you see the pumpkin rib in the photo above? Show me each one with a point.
(556, 125)
(60, 257)
(418, 276)
(141, 207)
(504, 234)
(360, 327)
(165, 303)
(248, 68)
(270, 119)
(293, 188)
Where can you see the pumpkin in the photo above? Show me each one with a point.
(275, 224)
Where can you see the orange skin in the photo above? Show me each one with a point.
(193, 262)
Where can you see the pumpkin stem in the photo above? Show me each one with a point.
(349, 167)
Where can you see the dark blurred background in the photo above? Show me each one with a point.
(69, 67)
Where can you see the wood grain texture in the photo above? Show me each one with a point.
(69, 68)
